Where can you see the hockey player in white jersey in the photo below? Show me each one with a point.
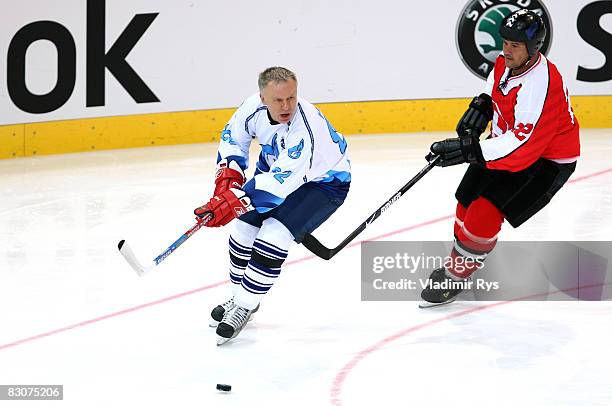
(301, 177)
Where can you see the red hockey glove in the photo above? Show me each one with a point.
(228, 175)
(227, 206)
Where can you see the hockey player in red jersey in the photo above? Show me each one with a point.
(530, 154)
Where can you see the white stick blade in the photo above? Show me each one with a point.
(129, 256)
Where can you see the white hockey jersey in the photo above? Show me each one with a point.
(307, 149)
(532, 118)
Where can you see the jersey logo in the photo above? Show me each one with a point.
(505, 109)
(280, 175)
(270, 149)
(295, 152)
(522, 128)
(336, 137)
(226, 135)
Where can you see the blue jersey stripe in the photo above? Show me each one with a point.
(246, 123)
(262, 201)
(309, 132)
(262, 165)
(336, 176)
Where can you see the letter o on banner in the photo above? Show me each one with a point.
(66, 67)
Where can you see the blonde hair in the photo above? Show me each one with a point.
(275, 74)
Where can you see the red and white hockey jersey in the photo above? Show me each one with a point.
(532, 118)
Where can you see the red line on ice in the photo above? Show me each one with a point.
(214, 285)
(340, 378)
(110, 315)
(592, 175)
(336, 389)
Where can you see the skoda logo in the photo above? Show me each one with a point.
(478, 39)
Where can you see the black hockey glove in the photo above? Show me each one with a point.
(477, 116)
(455, 151)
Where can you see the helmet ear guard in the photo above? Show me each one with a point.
(524, 26)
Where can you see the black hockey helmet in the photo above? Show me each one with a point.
(524, 26)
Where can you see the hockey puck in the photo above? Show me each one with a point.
(223, 387)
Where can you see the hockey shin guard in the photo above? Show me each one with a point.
(269, 253)
(476, 229)
(240, 250)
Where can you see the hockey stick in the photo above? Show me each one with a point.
(129, 256)
(314, 246)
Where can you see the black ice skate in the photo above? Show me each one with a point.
(441, 289)
(219, 311)
(232, 323)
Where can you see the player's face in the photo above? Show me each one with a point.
(515, 54)
(281, 99)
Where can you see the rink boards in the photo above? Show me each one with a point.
(372, 67)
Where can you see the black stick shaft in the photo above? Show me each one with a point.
(320, 250)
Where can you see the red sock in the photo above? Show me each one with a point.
(460, 212)
(476, 231)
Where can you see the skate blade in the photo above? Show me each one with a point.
(428, 305)
(222, 340)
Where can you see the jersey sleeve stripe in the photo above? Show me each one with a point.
(309, 133)
(246, 122)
